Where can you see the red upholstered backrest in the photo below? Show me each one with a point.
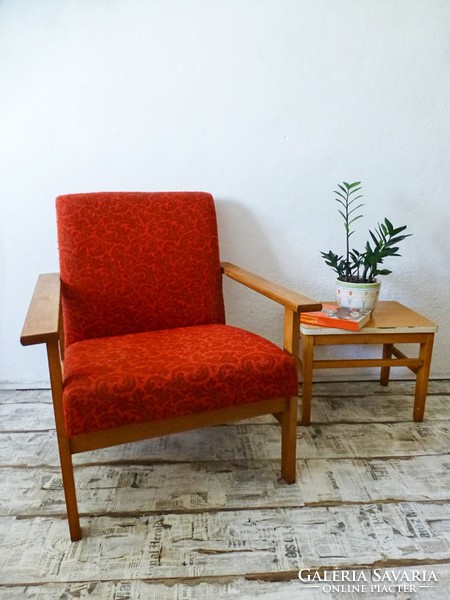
(135, 261)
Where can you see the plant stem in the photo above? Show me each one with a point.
(347, 229)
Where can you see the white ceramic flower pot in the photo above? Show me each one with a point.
(357, 295)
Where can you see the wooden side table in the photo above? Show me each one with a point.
(391, 323)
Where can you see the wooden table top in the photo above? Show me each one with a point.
(389, 316)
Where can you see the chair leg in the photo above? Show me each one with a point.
(289, 441)
(422, 376)
(69, 489)
(385, 371)
(65, 455)
(306, 370)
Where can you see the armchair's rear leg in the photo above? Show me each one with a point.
(289, 441)
(289, 414)
(65, 454)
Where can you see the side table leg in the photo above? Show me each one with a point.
(385, 371)
(307, 374)
(422, 376)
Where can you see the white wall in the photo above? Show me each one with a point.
(265, 103)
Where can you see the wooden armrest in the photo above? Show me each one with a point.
(42, 320)
(288, 298)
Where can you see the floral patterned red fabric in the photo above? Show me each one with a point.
(133, 262)
(144, 318)
(115, 381)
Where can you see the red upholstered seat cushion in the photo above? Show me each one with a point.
(137, 261)
(115, 381)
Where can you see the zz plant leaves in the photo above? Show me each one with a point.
(356, 266)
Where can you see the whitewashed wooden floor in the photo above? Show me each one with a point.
(203, 515)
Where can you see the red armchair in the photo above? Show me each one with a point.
(135, 329)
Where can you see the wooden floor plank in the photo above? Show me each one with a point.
(242, 589)
(25, 396)
(376, 408)
(26, 416)
(135, 489)
(177, 487)
(243, 442)
(256, 543)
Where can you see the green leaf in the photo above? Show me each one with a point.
(399, 229)
(355, 199)
(356, 208)
(375, 239)
(384, 272)
(397, 240)
(389, 226)
(355, 219)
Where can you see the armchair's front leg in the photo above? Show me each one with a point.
(65, 455)
(43, 324)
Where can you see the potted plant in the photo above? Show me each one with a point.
(357, 283)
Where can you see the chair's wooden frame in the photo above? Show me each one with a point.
(44, 324)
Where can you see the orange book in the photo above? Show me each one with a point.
(333, 316)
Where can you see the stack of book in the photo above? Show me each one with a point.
(338, 317)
